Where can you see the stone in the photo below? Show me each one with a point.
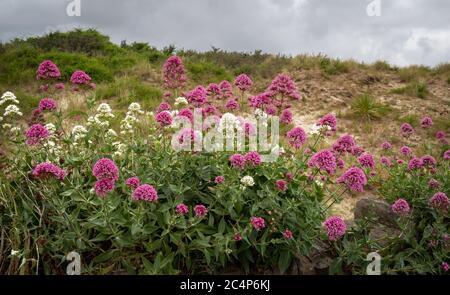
(368, 207)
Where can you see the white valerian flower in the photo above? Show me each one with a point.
(50, 127)
(78, 132)
(105, 109)
(247, 180)
(181, 101)
(8, 96)
(120, 148)
(135, 108)
(16, 130)
(7, 126)
(52, 148)
(11, 110)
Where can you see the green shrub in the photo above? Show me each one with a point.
(413, 73)
(417, 89)
(206, 72)
(125, 90)
(412, 119)
(367, 108)
(381, 65)
(333, 67)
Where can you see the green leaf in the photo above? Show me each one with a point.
(104, 256)
(284, 260)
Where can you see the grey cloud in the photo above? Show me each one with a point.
(407, 32)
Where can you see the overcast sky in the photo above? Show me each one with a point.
(406, 32)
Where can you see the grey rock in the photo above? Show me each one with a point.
(373, 208)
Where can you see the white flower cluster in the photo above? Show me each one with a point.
(78, 132)
(131, 118)
(247, 181)
(52, 149)
(8, 96)
(181, 101)
(51, 128)
(12, 110)
(102, 117)
(10, 100)
(120, 149)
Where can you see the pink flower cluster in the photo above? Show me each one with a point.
(366, 160)
(446, 155)
(258, 223)
(164, 118)
(406, 129)
(281, 185)
(415, 163)
(428, 161)
(174, 73)
(440, 201)
(243, 82)
(251, 159)
(385, 161)
(288, 234)
(354, 178)
(47, 70)
(344, 144)
(132, 182)
(145, 192)
(426, 122)
(43, 170)
(164, 106)
(187, 113)
(225, 89)
(286, 117)
(107, 173)
(197, 96)
(297, 137)
(80, 78)
(260, 100)
(335, 228)
(213, 91)
(400, 207)
(405, 151)
(386, 145)
(283, 85)
(328, 120)
(219, 179)
(182, 209)
(324, 160)
(36, 133)
(47, 104)
(232, 104)
(200, 210)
